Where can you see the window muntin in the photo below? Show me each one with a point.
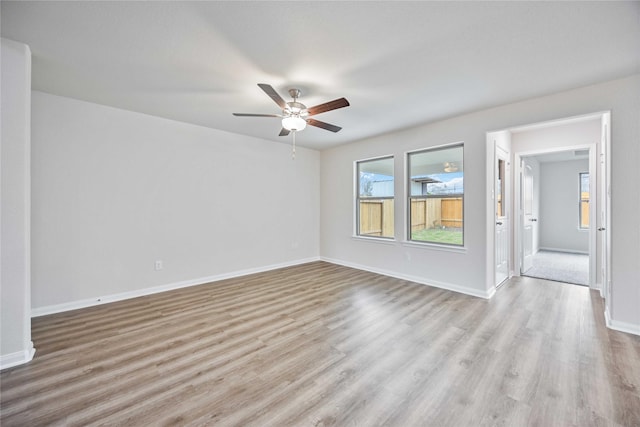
(436, 195)
(584, 200)
(375, 198)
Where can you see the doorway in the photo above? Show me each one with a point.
(556, 216)
(585, 137)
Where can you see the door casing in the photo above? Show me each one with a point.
(599, 163)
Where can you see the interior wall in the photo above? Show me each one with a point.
(115, 191)
(559, 207)
(444, 267)
(555, 137)
(15, 291)
(436, 265)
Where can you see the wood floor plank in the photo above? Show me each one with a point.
(321, 344)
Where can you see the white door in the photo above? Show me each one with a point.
(528, 216)
(501, 191)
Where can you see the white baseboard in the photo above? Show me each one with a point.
(567, 251)
(90, 302)
(448, 286)
(18, 358)
(629, 328)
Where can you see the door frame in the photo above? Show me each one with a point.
(595, 197)
(503, 153)
(604, 194)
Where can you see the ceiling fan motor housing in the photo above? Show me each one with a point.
(296, 109)
(295, 93)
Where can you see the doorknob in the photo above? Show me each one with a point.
(533, 219)
(499, 223)
(601, 229)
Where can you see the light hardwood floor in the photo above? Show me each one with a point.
(320, 344)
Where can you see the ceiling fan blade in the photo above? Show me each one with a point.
(328, 106)
(323, 125)
(284, 132)
(273, 94)
(255, 115)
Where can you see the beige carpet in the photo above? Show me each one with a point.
(560, 267)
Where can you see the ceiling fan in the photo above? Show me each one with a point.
(295, 115)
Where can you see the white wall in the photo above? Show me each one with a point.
(114, 191)
(15, 313)
(455, 269)
(467, 270)
(559, 207)
(550, 137)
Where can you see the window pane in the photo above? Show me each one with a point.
(376, 217)
(437, 220)
(584, 200)
(437, 172)
(500, 199)
(584, 185)
(375, 202)
(376, 178)
(436, 182)
(584, 214)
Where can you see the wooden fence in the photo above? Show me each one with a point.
(376, 216)
(584, 210)
(436, 212)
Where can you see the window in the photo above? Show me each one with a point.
(374, 204)
(436, 195)
(584, 200)
(500, 199)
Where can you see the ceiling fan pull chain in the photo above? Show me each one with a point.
(293, 147)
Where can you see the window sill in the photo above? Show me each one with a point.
(383, 240)
(584, 230)
(435, 246)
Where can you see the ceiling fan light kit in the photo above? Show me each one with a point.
(295, 114)
(295, 123)
(450, 167)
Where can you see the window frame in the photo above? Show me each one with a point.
(358, 197)
(410, 197)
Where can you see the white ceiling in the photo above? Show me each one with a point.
(398, 63)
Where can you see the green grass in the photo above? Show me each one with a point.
(437, 235)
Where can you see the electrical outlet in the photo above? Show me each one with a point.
(158, 265)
